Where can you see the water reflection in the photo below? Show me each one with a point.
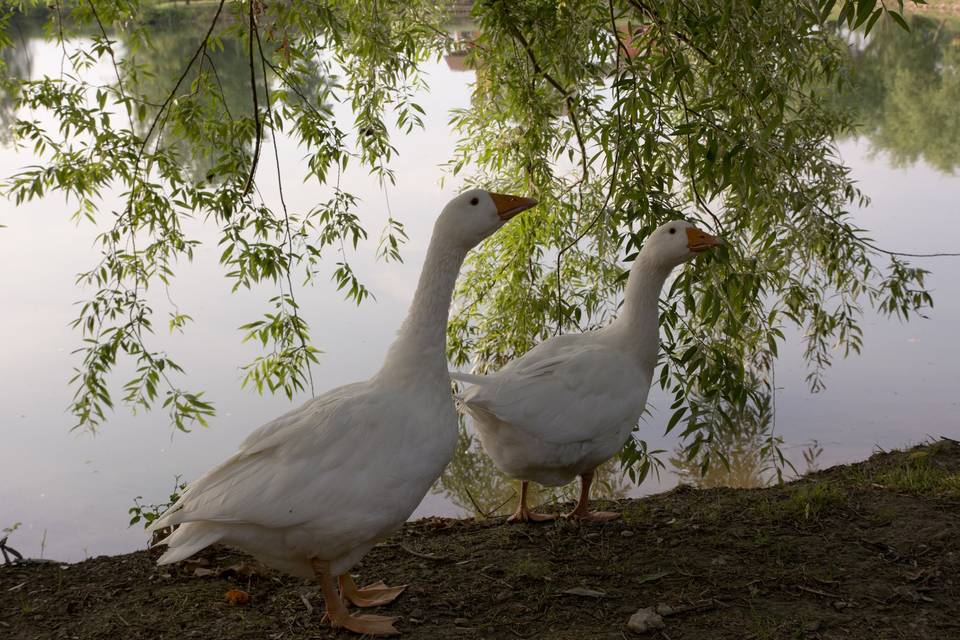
(17, 64)
(742, 461)
(218, 85)
(905, 91)
(223, 73)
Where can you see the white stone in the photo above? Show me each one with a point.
(645, 620)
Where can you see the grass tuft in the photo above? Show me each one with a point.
(805, 503)
(920, 476)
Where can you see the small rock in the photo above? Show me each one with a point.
(593, 535)
(626, 533)
(665, 610)
(840, 605)
(239, 569)
(812, 626)
(201, 572)
(461, 622)
(196, 562)
(645, 620)
(416, 613)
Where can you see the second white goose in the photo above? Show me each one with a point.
(571, 402)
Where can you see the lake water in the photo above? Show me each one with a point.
(70, 491)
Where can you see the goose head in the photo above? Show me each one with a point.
(475, 214)
(675, 242)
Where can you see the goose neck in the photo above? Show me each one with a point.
(419, 350)
(640, 313)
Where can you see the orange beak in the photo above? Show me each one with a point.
(509, 206)
(699, 241)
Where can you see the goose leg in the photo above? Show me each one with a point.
(372, 595)
(582, 510)
(337, 611)
(523, 514)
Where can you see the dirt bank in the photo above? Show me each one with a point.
(869, 551)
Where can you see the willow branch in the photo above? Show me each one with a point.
(258, 125)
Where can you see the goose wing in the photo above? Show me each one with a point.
(295, 468)
(567, 389)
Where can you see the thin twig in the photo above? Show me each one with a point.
(425, 556)
(306, 603)
(286, 217)
(653, 15)
(566, 93)
(474, 502)
(216, 76)
(113, 60)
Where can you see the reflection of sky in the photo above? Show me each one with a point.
(77, 487)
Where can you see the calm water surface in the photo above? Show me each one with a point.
(71, 491)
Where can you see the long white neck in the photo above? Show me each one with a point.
(637, 326)
(420, 348)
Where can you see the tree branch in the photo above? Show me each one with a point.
(258, 125)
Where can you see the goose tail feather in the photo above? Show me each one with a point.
(187, 539)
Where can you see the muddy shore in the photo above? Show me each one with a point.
(863, 551)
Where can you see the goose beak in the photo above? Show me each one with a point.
(699, 241)
(509, 206)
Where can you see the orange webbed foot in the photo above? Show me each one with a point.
(592, 516)
(372, 595)
(525, 515)
(366, 624)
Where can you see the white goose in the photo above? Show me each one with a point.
(312, 491)
(570, 403)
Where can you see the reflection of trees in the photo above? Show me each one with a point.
(743, 457)
(15, 63)
(906, 91)
(225, 70)
(216, 89)
(742, 454)
(743, 451)
(473, 482)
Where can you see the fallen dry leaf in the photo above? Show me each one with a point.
(583, 591)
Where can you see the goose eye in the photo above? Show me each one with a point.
(474, 201)
(672, 230)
